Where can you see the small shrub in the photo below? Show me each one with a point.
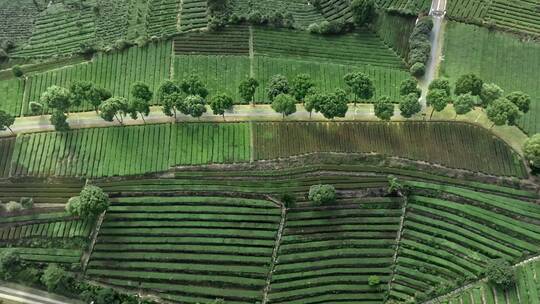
(27, 202)
(322, 194)
(17, 71)
(12, 207)
(374, 280)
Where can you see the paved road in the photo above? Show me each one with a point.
(438, 11)
(239, 113)
(25, 297)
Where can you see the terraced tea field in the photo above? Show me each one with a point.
(519, 16)
(191, 249)
(59, 30)
(441, 143)
(498, 58)
(138, 149)
(328, 253)
(302, 11)
(115, 72)
(128, 151)
(527, 288)
(357, 49)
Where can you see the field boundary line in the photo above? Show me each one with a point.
(398, 240)
(179, 16)
(251, 142)
(25, 95)
(95, 232)
(276, 248)
(251, 53)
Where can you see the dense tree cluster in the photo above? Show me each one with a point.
(420, 47)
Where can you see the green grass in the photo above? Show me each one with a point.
(129, 150)
(453, 145)
(495, 57)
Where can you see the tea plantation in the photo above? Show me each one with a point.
(270, 151)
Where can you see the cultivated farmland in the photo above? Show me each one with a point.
(336, 249)
(116, 72)
(499, 58)
(133, 150)
(223, 250)
(441, 143)
(303, 13)
(59, 30)
(527, 288)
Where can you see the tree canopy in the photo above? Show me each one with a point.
(408, 86)
(277, 85)
(301, 85)
(91, 202)
(438, 99)
(114, 107)
(56, 97)
(409, 105)
(531, 149)
(384, 108)
(247, 89)
(360, 85)
(194, 105)
(521, 100)
(173, 102)
(284, 104)
(334, 105)
(489, 93)
(322, 194)
(59, 120)
(464, 104)
(220, 103)
(193, 85)
(441, 84)
(468, 83)
(362, 11)
(502, 111)
(6, 121)
(166, 88)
